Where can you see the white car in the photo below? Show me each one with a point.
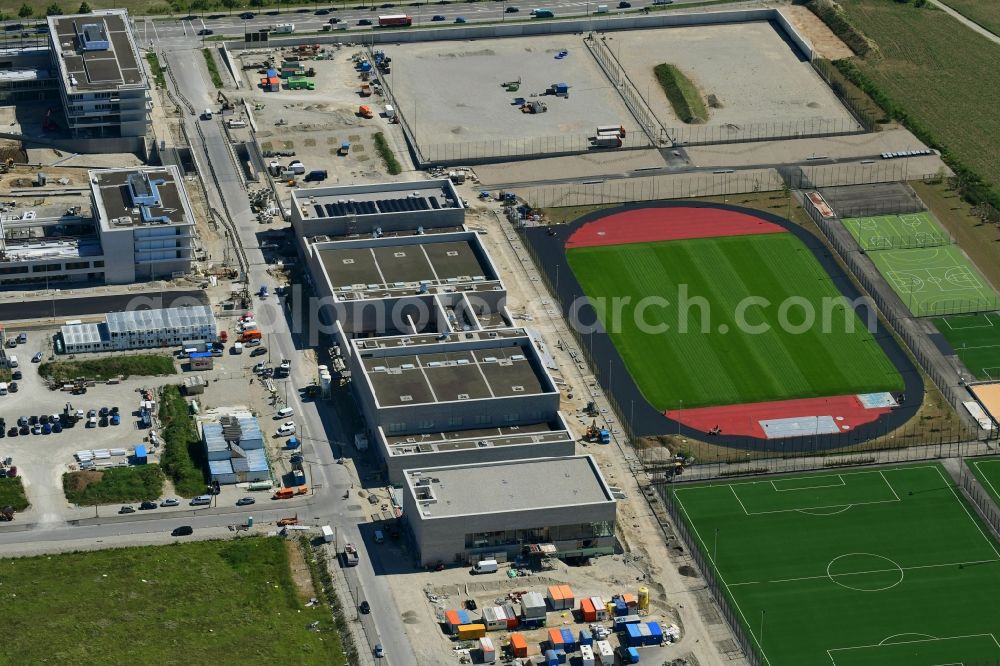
(284, 413)
(287, 428)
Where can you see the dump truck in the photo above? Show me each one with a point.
(365, 111)
(284, 493)
(351, 557)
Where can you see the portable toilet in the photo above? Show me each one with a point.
(569, 641)
(586, 656)
(550, 658)
(486, 650)
(518, 645)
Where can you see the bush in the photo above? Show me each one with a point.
(834, 18)
(183, 457)
(156, 70)
(682, 93)
(213, 69)
(114, 485)
(382, 146)
(101, 369)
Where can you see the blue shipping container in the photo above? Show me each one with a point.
(569, 643)
(586, 638)
(550, 658)
(633, 637)
(633, 655)
(621, 608)
(463, 617)
(655, 634)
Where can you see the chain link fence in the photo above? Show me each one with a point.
(636, 105)
(522, 147)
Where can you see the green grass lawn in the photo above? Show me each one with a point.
(936, 280)
(976, 340)
(100, 369)
(943, 74)
(871, 568)
(183, 457)
(682, 93)
(231, 602)
(114, 485)
(719, 368)
(884, 232)
(12, 494)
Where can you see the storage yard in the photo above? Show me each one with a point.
(470, 102)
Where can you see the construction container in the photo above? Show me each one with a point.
(486, 650)
(555, 639)
(630, 601)
(518, 645)
(604, 654)
(586, 656)
(632, 636)
(550, 658)
(587, 611)
(568, 597)
(533, 606)
(468, 632)
(643, 598)
(451, 622)
(555, 597)
(630, 656)
(623, 620)
(569, 640)
(600, 608)
(494, 618)
(621, 608)
(655, 636)
(511, 613)
(585, 639)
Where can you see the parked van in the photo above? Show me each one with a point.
(297, 168)
(238, 348)
(602, 9)
(206, 114)
(316, 175)
(485, 566)
(201, 500)
(3, 388)
(12, 361)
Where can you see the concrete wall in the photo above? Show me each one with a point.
(443, 539)
(366, 224)
(542, 27)
(126, 144)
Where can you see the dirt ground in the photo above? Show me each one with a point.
(827, 44)
(300, 570)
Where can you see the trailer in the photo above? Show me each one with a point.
(607, 141)
(351, 557)
(611, 129)
(395, 20)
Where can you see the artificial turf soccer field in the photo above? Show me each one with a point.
(976, 340)
(987, 470)
(885, 232)
(867, 568)
(673, 368)
(936, 280)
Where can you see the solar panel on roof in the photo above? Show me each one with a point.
(330, 210)
(434, 203)
(370, 208)
(422, 203)
(319, 210)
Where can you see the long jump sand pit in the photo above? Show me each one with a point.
(988, 395)
(756, 74)
(450, 92)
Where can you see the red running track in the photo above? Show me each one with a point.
(743, 420)
(647, 225)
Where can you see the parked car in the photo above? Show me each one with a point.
(624, 5)
(126, 509)
(37, 358)
(438, 17)
(365, 607)
(252, 342)
(287, 428)
(12, 387)
(259, 367)
(322, 12)
(365, 22)
(512, 10)
(91, 413)
(47, 429)
(116, 419)
(247, 15)
(284, 413)
(170, 501)
(379, 651)
(459, 19)
(147, 506)
(103, 411)
(24, 430)
(17, 375)
(259, 351)
(206, 31)
(183, 530)
(245, 501)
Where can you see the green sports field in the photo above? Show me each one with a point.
(884, 232)
(976, 340)
(704, 357)
(871, 568)
(936, 280)
(987, 470)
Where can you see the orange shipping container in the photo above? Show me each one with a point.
(556, 597)
(519, 645)
(588, 611)
(629, 599)
(469, 631)
(451, 619)
(567, 595)
(555, 639)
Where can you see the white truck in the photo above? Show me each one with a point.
(327, 534)
(283, 28)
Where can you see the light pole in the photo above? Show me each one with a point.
(715, 549)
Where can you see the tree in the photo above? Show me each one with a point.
(231, 4)
(84, 8)
(53, 10)
(25, 11)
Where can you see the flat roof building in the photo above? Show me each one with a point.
(104, 89)
(376, 208)
(139, 329)
(465, 513)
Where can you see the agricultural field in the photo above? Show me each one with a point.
(976, 340)
(188, 603)
(724, 363)
(866, 568)
(983, 12)
(941, 72)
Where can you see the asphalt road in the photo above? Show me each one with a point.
(79, 306)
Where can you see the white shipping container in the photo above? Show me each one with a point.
(587, 655)
(604, 653)
(488, 651)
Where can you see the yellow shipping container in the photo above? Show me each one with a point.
(470, 631)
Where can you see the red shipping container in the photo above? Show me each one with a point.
(519, 645)
(588, 611)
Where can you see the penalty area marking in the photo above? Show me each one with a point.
(929, 639)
